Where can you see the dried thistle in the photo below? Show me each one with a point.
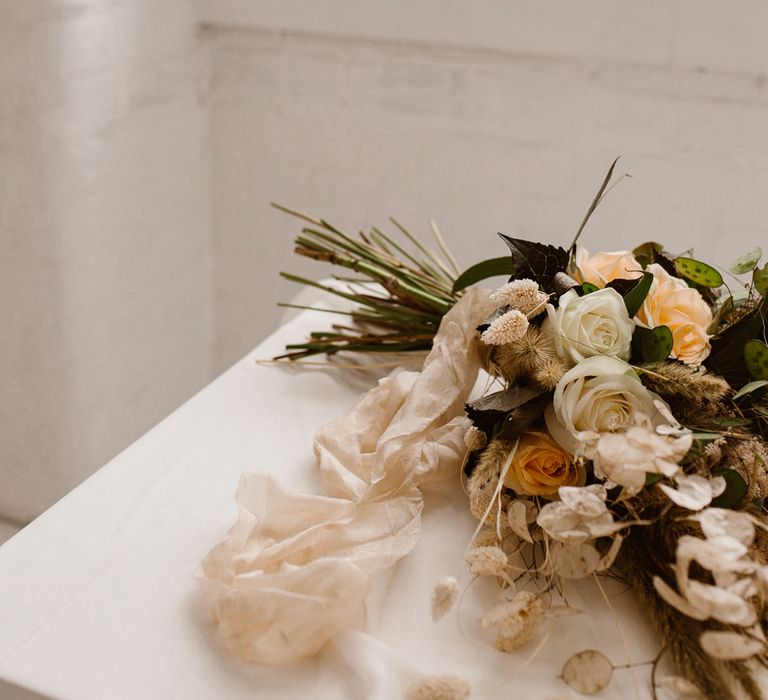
(550, 373)
(526, 356)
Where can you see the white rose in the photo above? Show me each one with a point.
(600, 395)
(595, 324)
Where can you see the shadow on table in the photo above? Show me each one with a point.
(9, 691)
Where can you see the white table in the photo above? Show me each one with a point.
(98, 598)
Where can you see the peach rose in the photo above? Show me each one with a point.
(672, 303)
(540, 467)
(601, 268)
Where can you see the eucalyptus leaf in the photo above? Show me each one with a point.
(698, 272)
(652, 344)
(746, 263)
(494, 267)
(760, 279)
(735, 489)
(749, 388)
(756, 358)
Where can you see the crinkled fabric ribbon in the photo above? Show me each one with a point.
(295, 569)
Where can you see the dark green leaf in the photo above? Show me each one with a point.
(586, 288)
(746, 262)
(635, 297)
(537, 261)
(735, 489)
(760, 279)
(756, 358)
(652, 252)
(646, 253)
(698, 272)
(504, 400)
(727, 355)
(652, 345)
(495, 267)
(651, 478)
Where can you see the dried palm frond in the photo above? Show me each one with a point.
(400, 295)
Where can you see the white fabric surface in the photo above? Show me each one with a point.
(98, 597)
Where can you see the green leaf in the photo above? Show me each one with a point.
(760, 279)
(646, 253)
(588, 288)
(698, 272)
(735, 489)
(652, 345)
(635, 297)
(756, 358)
(495, 267)
(747, 262)
(749, 388)
(651, 478)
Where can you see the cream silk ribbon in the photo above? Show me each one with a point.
(295, 569)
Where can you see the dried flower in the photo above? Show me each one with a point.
(724, 553)
(581, 515)
(515, 621)
(438, 688)
(484, 501)
(549, 372)
(694, 492)
(507, 328)
(625, 458)
(487, 561)
(524, 357)
(444, 596)
(523, 295)
(475, 439)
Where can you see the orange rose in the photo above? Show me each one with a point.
(540, 467)
(672, 303)
(601, 268)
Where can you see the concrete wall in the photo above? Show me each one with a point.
(502, 117)
(105, 273)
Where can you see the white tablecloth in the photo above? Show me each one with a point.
(98, 597)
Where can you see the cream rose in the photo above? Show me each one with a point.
(600, 395)
(595, 324)
(541, 466)
(601, 268)
(672, 303)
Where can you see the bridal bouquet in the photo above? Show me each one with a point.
(623, 429)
